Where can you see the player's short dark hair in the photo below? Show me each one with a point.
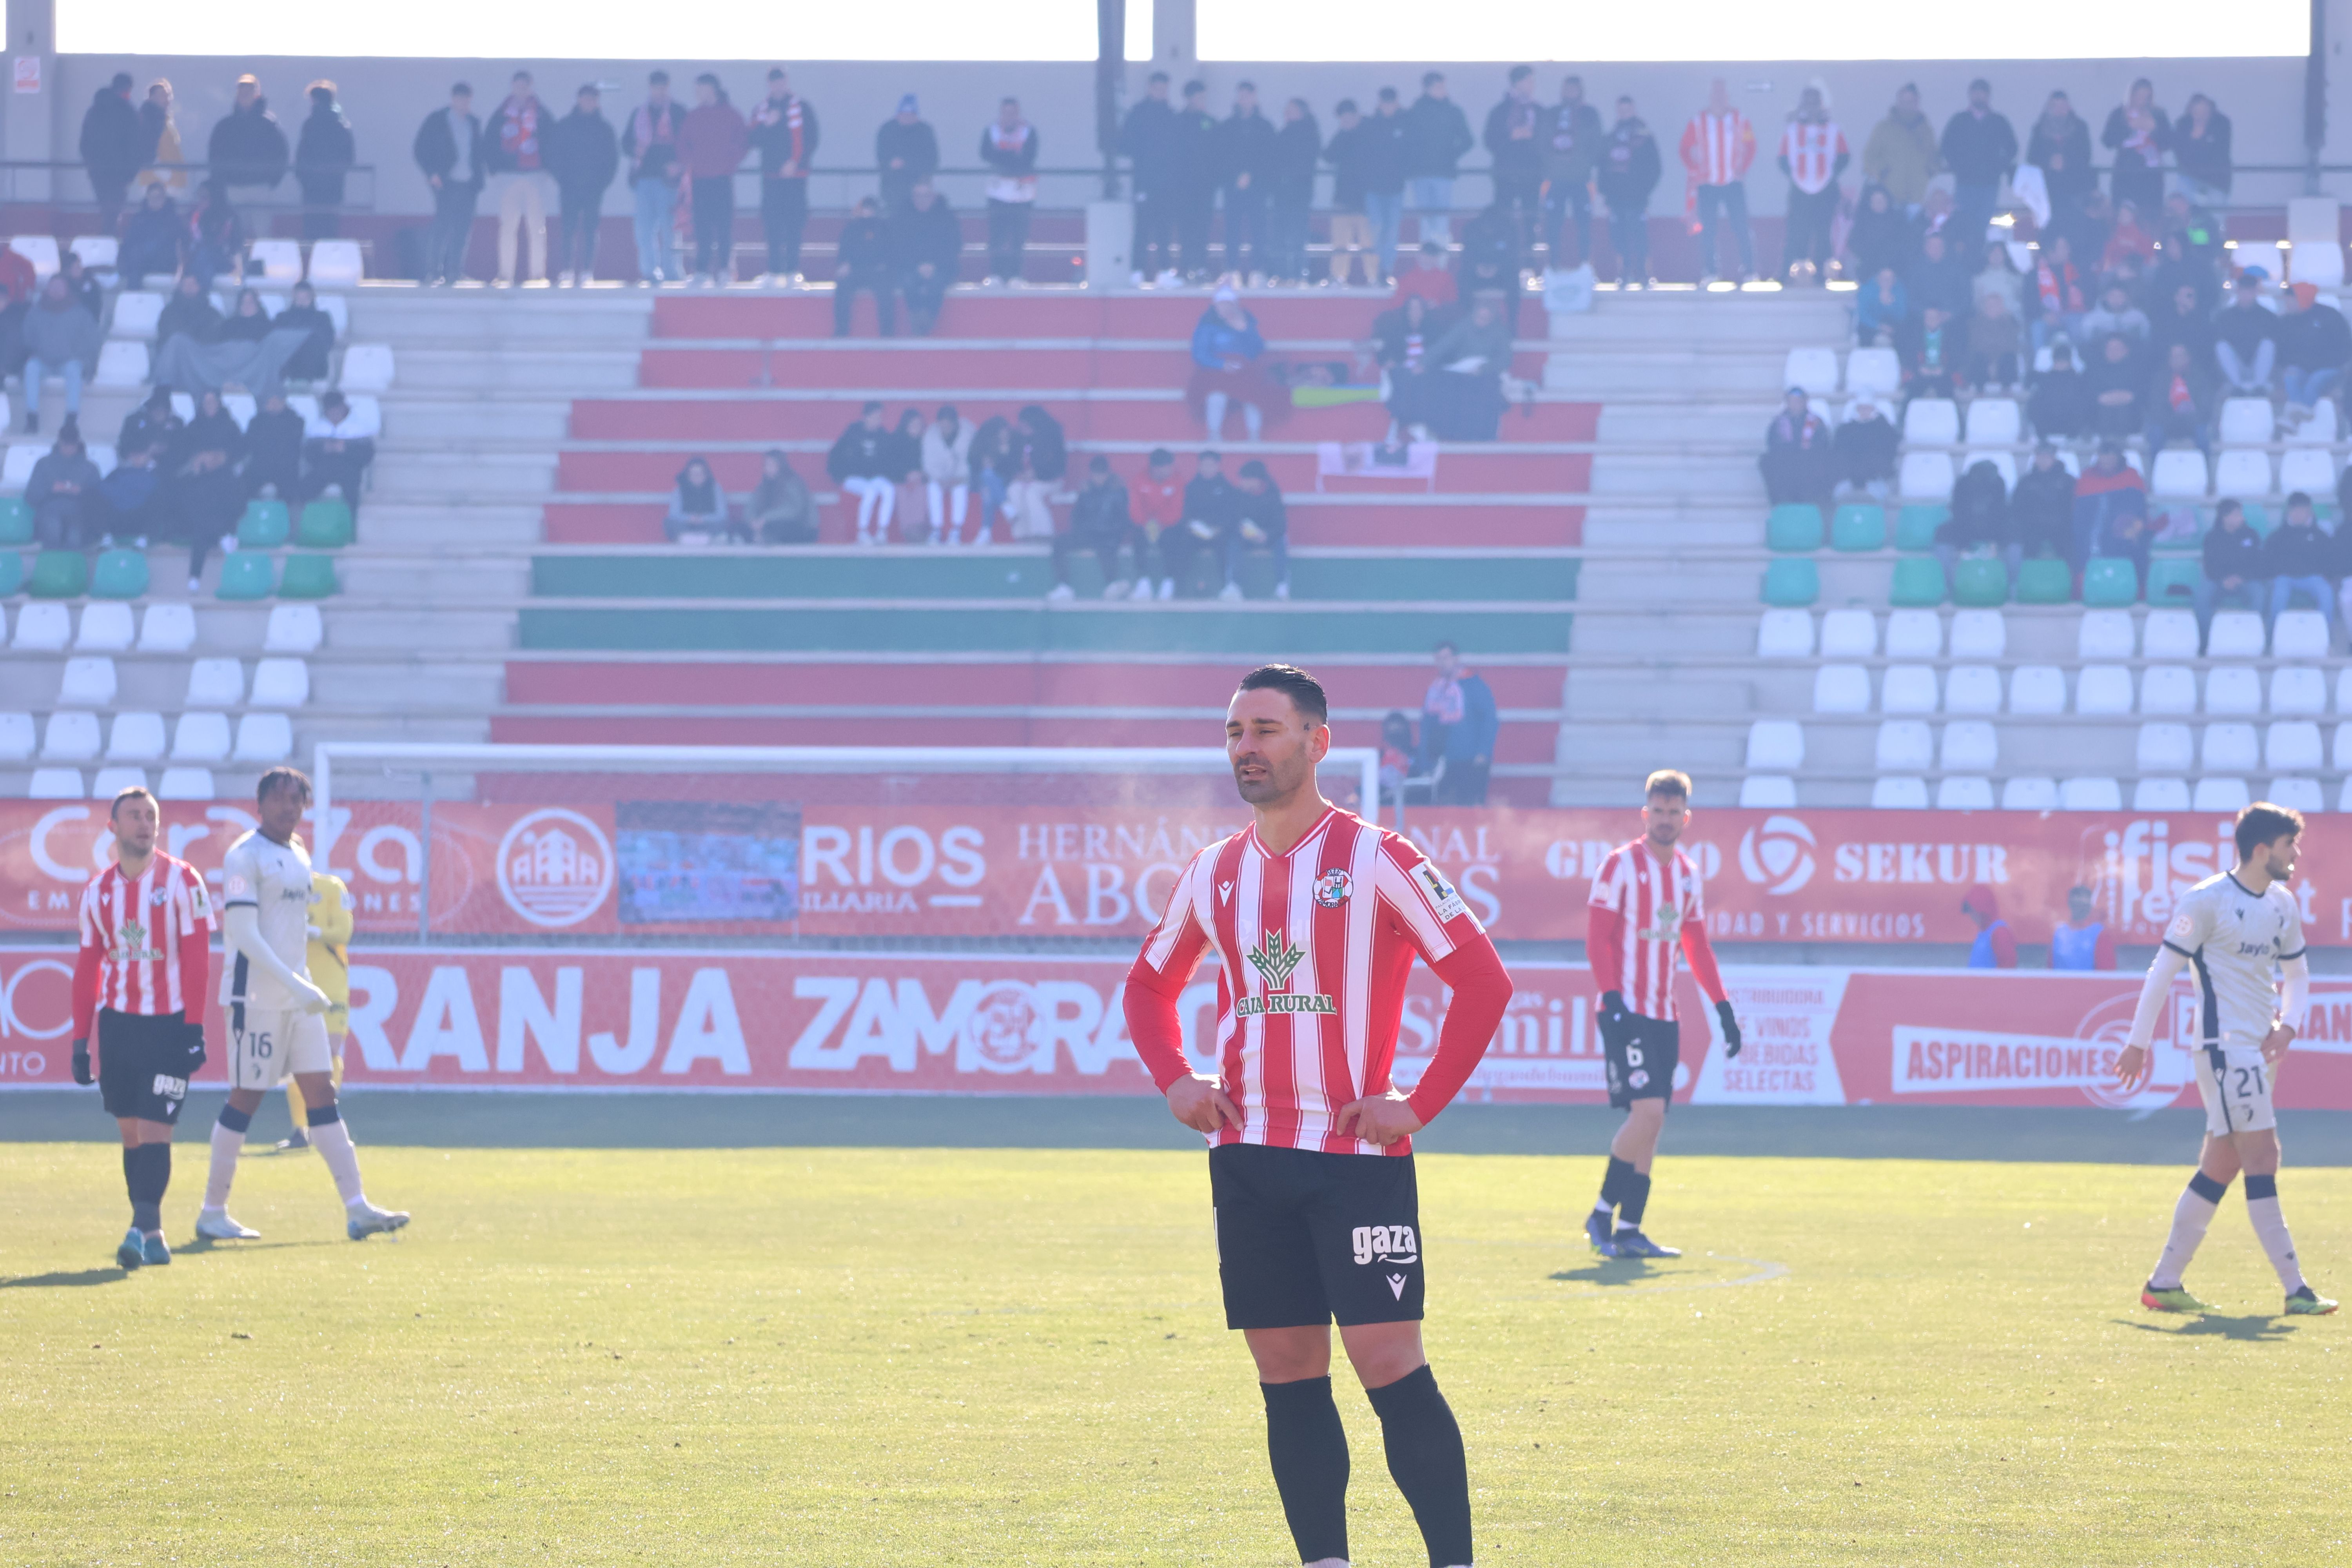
(277, 779)
(1306, 692)
(137, 791)
(1667, 781)
(2263, 823)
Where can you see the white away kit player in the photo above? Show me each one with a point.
(2235, 929)
(277, 1018)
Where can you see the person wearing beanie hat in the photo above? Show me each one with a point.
(323, 155)
(1996, 946)
(907, 150)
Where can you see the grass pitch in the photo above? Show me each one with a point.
(858, 1356)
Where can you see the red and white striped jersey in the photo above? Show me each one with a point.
(1812, 148)
(145, 942)
(1316, 946)
(1657, 901)
(1718, 148)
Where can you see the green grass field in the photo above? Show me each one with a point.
(985, 1357)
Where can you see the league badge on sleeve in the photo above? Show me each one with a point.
(1332, 888)
(1441, 892)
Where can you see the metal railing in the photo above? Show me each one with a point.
(65, 187)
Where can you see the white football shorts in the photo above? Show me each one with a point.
(2235, 1084)
(265, 1047)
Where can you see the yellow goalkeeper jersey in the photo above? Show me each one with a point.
(331, 938)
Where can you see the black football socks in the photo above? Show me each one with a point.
(1426, 1457)
(147, 1174)
(1309, 1450)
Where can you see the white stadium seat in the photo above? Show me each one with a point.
(2233, 689)
(1779, 634)
(1905, 746)
(1972, 689)
(1931, 422)
(2160, 794)
(1964, 795)
(2343, 747)
(2107, 634)
(2317, 263)
(1899, 794)
(367, 367)
(1979, 634)
(2311, 469)
(101, 457)
(1993, 422)
(99, 252)
(110, 782)
(185, 783)
(121, 362)
(279, 260)
(137, 312)
(2166, 749)
(42, 628)
(135, 738)
(2180, 475)
(201, 738)
(2229, 749)
(2299, 634)
(168, 629)
(2236, 634)
(2172, 634)
(2217, 794)
(264, 738)
(1813, 369)
(1970, 746)
(107, 626)
(1776, 746)
(1914, 634)
(305, 405)
(2242, 471)
(70, 738)
(2246, 421)
(1849, 633)
(295, 628)
(1926, 476)
(241, 407)
(2092, 793)
(15, 737)
(54, 783)
(2102, 688)
(280, 683)
(337, 309)
(1907, 688)
(17, 468)
(2298, 688)
(2030, 794)
(2037, 688)
(2319, 430)
(2296, 794)
(1874, 370)
(1841, 689)
(40, 249)
(336, 264)
(2265, 254)
(2168, 689)
(1766, 792)
(2291, 746)
(89, 682)
(216, 683)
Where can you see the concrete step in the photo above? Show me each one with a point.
(358, 624)
(427, 418)
(547, 372)
(599, 318)
(469, 478)
(413, 525)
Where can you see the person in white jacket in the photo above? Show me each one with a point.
(947, 474)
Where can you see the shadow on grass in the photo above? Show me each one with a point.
(2258, 1328)
(80, 1277)
(1608, 1271)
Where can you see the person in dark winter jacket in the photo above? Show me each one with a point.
(1008, 147)
(2179, 404)
(63, 485)
(1939, 278)
(323, 156)
(781, 510)
(1196, 177)
(151, 237)
(925, 244)
(1630, 168)
(1352, 153)
(2117, 379)
(1883, 236)
(113, 148)
(2138, 133)
(1100, 526)
(650, 145)
(1491, 261)
(1246, 159)
(1263, 524)
(204, 495)
(248, 322)
(1515, 140)
(864, 267)
(907, 150)
(2200, 154)
(712, 141)
(1147, 137)
(698, 506)
(82, 284)
(60, 339)
(1573, 137)
(1865, 446)
(1980, 148)
(1291, 191)
(153, 424)
(301, 313)
(784, 129)
(2042, 506)
(584, 155)
(2059, 146)
(1436, 134)
(1212, 512)
(2298, 559)
(2230, 566)
(450, 153)
(1800, 463)
(2245, 341)
(862, 462)
(2060, 406)
(247, 149)
(2314, 347)
(216, 237)
(1980, 518)
(189, 313)
(273, 451)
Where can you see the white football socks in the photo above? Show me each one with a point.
(227, 1145)
(333, 1142)
(2269, 1228)
(2192, 1216)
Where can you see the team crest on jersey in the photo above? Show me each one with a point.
(1274, 958)
(1332, 888)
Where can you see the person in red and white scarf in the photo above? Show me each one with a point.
(1008, 148)
(784, 130)
(1718, 144)
(515, 144)
(1813, 154)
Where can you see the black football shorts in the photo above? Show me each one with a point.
(1641, 1055)
(1304, 1237)
(145, 1063)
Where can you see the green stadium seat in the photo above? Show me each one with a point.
(1791, 583)
(1915, 526)
(309, 577)
(246, 574)
(1979, 582)
(326, 525)
(2260, 520)
(1086, 574)
(1918, 583)
(60, 574)
(263, 526)
(1255, 571)
(1858, 528)
(120, 574)
(15, 520)
(2110, 580)
(1794, 527)
(2044, 581)
(2172, 580)
(12, 573)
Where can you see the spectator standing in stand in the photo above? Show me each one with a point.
(515, 152)
(2139, 135)
(1996, 944)
(2200, 154)
(926, 251)
(584, 155)
(1719, 145)
(113, 148)
(864, 267)
(247, 150)
(1459, 723)
(1813, 154)
(323, 157)
(711, 143)
(1629, 170)
(449, 150)
(906, 150)
(1008, 148)
(1196, 174)
(650, 145)
(1515, 141)
(1436, 134)
(1981, 149)
(2059, 146)
(1351, 154)
(1901, 153)
(1291, 191)
(2080, 942)
(1384, 181)
(784, 128)
(1572, 138)
(1245, 157)
(1147, 137)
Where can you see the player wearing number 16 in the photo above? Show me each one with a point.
(1315, 916)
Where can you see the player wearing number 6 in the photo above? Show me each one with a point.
(277, 1017)
(2238, 931)
(1645, 907)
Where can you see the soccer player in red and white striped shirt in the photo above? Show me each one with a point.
(1645, 907)
(146, 943)
(1315, 916)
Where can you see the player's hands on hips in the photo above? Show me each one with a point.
(2275, 1043)
(81, 1064)
(2133, 1064)
(1381, 1118)
(1730, 1022)
(1199, 1103)
(315, 1000)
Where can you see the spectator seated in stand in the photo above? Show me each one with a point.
(60, 490)
(996, 456)
(1881, 308)
(215, 236)
(1402, 337)
(1932, 348)
(2060, 407)
(1099, 526)
(153, 424)
(1263, 522)
(906, 460)
(2114, 317)
(862, 464)
(204, 493)
(1429, 279)
(247, 350)
(1156, 501)
(1040, 455)
(1798, 463)
(864, 268)
(2180, 403)
(2042, 506)
(80, 284)
(1998, 275)
(301, 314)
(1939, 278)
(338, 445)
(1212, 510)
(2314, 346)
(2108, 489)
(2245, 340)
(2114, 380)
(925, 242)
(131, 503)
(2127, 534)
(2054, 299)
(1228, 366)
(1491, 261)
(2235, 568)
(273, 451)
(698, 509)
(780, 509)
(151, 240)
(1980, 520)
(60, 339)
(2298, 559)
(1866, 447)
(2184, 317)
(188, 313)
(1459, 396)
(947, 475)
(1996, 353)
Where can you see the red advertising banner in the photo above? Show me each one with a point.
(609, 872)
(668, 1018)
